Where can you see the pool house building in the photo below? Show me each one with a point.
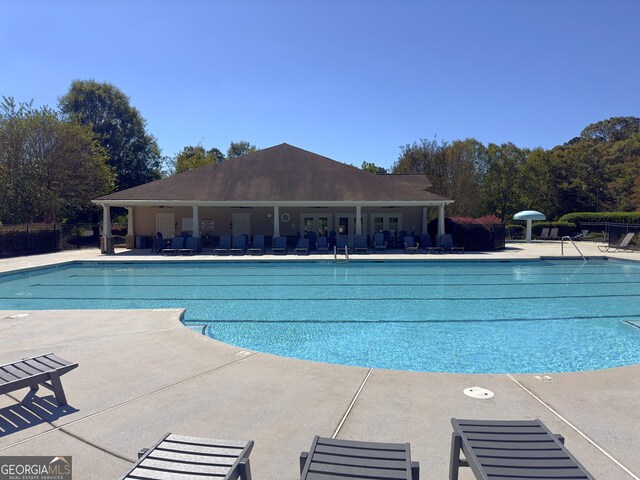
(281, 191)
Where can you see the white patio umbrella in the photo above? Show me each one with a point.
(529, 215)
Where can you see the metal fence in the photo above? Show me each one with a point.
(18, 240)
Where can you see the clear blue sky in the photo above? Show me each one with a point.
(350, 79)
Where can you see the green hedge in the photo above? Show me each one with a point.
(25, 242)
(564, 228)
(595, 217)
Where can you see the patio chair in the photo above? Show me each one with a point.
(544, 235)
(350, 459)
(33, 372)
(303, 247)
(341, 242)
(257, 246)
(504, 449)
(176, 245)
(623, 246)
(360, 244)
(322, 245)
(446, 242)
(379, 243)
(553, 234)
(190, 247)
(582, 235)
(279, 246)
(176, 456)
(224, 245)
(427, 246)
(410, 245)
(239, 245)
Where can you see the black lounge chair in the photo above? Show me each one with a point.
(44, 370)
(410, 245)
(360, 244)
(427, 246)
(623, 246)
(507, 450)
(175, 456)
(446, 243)
(279, 246)
(224, 245)
(239, 245)
(350, 459)
(190, 246)
(257, 246)
(302, 248)
(176, 245)
(322, 245)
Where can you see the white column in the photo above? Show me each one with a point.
(358, 220)
(130, 221)
(425, 220)
(106, 226)
(276, 221)
(529, 231)
(196, 221)
(441, 219)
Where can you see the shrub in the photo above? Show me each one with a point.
(474, 234)
(601, 217)
(564, 228)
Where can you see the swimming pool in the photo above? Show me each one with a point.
(476, 317)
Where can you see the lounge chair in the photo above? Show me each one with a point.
(553, 234)
(176, 245)
(623, 246)
(504, 449)
(176, 456)
(379, 242)
(279, 246)
(190, 247)
(224, 245)
(342, 242)
(360, 244)
(544, 235)
(446, 242)
(350, 459)
(239, 245)
(322, 245)
(32, 372)
(427, 246)
(302, 248)
(410, 245)
(582, 235)
(257, 246)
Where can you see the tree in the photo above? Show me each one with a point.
(502, 184)
(454, 170)
(195, 157)
(50, 170)
(237, 149)
(133, 154)
(373, 168)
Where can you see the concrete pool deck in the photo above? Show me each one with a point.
(142, 374)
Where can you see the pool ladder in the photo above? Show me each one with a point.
(346, 254)
(574, 244)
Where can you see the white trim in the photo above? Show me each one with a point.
(226, 203)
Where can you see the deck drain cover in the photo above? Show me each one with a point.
(18, 315)
(545, 378)
(478, 392)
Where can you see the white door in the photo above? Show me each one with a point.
(166, 224)
(241, 223)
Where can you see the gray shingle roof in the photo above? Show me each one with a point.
(277, 174)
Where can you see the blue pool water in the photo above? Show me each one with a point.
(476, 317)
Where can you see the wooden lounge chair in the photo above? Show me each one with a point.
(410, 245)
(303, 247)
(504, 449)
(446, 243)
(257, 246)
(279, 246)
(175, 456)
(623, 246)
(44, 370)
(350, 459)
